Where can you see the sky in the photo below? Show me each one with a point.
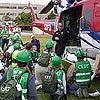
(41, 2)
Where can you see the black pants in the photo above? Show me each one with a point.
(59, 49)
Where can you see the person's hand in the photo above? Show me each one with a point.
(50, 66)
(59, 92)
(97, 71)
(56, 38)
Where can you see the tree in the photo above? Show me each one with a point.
(6, 17)
(24, 18)
(51, 16)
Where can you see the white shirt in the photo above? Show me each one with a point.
(10, 49)
(1, 66)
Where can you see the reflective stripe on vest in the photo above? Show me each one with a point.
(83, 80)
(78, 74)
(23, 98)
(83, 72)
(24, 90)
(5, 33)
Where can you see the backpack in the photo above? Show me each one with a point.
(49, 82)
(10, 89)
(44, 59)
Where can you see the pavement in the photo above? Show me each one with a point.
(27, 33)
(30, 33)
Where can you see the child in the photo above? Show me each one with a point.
(35, 54)
(61, 88)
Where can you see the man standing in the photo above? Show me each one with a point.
(61, 37)
(5, 35)
(17, 30)
(0, 37)
(35, 42)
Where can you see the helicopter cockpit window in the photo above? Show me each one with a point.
(87, 17)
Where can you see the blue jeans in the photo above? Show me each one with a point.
(74, 87)
(56, 95)
(5, 41)
(0, 42)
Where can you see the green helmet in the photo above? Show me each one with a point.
(15, 38)
(14, 55)
(24, 56)
(56, 61)
(79, 54)
(49, 44)
(17, 46)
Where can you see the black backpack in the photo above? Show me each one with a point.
(44, 58)
(9, 89)
(49, 83)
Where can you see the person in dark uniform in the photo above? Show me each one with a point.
(61, 36)
(35, 42)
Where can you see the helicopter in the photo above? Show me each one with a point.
(48, 26)
(81, 18)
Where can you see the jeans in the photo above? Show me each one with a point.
(0, 42)
(56, 95)
(5, 41)
(74, 87)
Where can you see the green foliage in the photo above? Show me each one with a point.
(24, 18)
(43, 40)
(37, 16)
(51, 16)
(6, 17)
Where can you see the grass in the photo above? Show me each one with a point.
(94, 85)
(43, 40)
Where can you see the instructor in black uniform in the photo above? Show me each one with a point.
(61, 36)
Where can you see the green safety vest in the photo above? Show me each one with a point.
(83, 72)
(8, 62)
(5, 33)
(23, 81)
(35, 55)
(59, 74)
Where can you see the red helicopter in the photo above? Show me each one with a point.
(48, 26)
(81, 17)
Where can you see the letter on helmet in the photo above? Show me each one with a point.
(79, 54)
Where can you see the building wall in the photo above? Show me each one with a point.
(14, 10)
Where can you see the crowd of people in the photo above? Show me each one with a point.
(26, 58)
